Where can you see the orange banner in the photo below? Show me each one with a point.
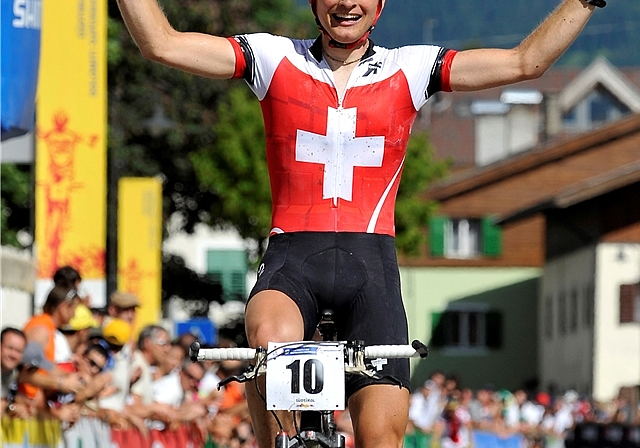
(71, 140)
(140, 244)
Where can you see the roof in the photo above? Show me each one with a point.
(476, 178)
(607, 182)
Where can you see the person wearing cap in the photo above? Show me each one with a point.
(117, 334)
(75, 334)
(123, 305)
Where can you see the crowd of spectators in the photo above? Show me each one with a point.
(72, 362)
(444, 414)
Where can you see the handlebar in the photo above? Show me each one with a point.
(416, 350)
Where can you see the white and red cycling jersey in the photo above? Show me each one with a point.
(335, 162)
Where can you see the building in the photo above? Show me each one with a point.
(504, 293)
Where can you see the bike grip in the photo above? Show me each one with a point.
(390, 351)
(226, 354)
(422, 349)
(194, 348)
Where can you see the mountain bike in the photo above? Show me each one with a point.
(316, 370)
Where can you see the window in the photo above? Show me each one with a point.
(548, 317)
(589, 305)
(466, 329)
(229, 268)
(597, 108)
(630, 303)
(562, 314)
(573, 311)
(464, 238)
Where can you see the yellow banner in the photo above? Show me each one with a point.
(140, 244)
(71, 138)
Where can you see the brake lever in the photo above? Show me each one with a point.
(248, 375)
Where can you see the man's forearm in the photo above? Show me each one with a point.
(145, 21)
(550, 40)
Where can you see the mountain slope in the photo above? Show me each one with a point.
(613, 32)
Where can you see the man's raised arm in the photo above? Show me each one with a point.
(197, 53)
(485, 68)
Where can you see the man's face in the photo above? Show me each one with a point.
(191, 377)
(126, 314)
(93, 362)
(347, 21)
(11, 351)
(68, 309)
(159, 346)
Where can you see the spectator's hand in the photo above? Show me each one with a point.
(114, 419)
(21, 410)
(69, 413)
(71, 383)
(139, 424)
(135, 375)
(165, 413)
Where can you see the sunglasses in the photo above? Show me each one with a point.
(160, 342)
(95, 365)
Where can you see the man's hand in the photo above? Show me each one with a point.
(71, 383)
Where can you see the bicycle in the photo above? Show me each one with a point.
(307, 392)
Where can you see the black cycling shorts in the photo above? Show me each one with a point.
(355, 275)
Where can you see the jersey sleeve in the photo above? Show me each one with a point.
(257, 58)
(428, 70)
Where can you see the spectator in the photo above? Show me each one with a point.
(58, 309)
(123, 305)
(484, 409)
(457, 426)
(69, 277)
(152, 348)
(75, 335)
(423, 413)
(117, 333)
(12, 344)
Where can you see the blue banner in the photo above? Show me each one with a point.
(21, 21)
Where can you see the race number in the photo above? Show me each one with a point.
(305, 376)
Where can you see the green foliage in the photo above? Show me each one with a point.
(15, 181)
(137, 88)
(235, 167)
(412, 211)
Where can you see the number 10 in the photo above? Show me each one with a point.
(312, 376)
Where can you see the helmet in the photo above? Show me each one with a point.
(335, 43)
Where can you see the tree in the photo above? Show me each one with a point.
(412, 211)
(15, 202)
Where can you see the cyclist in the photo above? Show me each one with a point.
(338, 111)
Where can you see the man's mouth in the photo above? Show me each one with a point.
(341, 18)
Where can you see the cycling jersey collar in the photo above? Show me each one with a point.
(316, 50)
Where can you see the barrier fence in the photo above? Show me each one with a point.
(92, 433)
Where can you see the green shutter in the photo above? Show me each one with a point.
(437, 330)
(436, 235)
(491, 238)
(493, 327)
(229, 268)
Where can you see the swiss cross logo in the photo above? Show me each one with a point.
(340, 151)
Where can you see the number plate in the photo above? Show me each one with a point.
(305, 376)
